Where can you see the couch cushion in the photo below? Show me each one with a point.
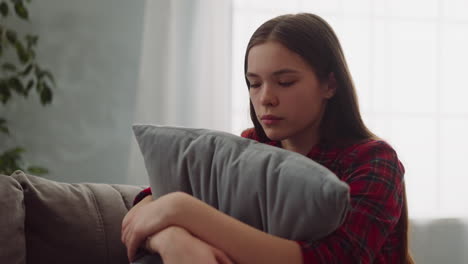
(12, 239)
(74, 223)
(275, 190)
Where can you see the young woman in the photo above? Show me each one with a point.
(302, 99)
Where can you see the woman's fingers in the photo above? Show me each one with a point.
(221, 257)
(129, 217)
(124, 231)
(146, 218)
(130, 236)
(133, 242)
(131, 253)
(126, 222)
(177, 246)
(135, 234)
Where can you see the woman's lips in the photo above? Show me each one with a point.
(270, 119)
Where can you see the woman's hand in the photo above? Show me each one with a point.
(241, 242)
(178, 246)
(133, 211)
(148, 218)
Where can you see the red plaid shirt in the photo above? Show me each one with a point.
(372, 231)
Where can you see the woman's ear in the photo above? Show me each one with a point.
(331, 86)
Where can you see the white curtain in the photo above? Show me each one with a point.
(185, 69)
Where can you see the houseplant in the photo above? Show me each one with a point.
(20, 73)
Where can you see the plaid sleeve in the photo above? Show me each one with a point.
(249, 133)
(375, 177)
(142, 195)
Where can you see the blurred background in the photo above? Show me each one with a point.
(180, 62)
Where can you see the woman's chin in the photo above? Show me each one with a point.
(274, 135)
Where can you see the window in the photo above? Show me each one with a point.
(408, 60)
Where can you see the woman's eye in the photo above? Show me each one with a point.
(254, 85)
(287, 84)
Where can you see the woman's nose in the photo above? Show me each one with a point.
(268, 97)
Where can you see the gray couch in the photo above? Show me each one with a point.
(43, 221)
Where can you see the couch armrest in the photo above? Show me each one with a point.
(74, 223)
(12, 237)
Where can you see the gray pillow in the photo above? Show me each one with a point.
(278, 191)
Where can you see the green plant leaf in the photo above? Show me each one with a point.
(5, 93)
(46, 95)
(9, 162)
(39, 86)
(7, 66)
(4, 129)
(29, 86)
(27, 70)
(15, 152)
(4, 10)
(21, 10)
(31, 54)
(18, 150)
(16, 85)
(2, 39)
(3, 126)
(5, 97)
(23, 55)
(32, 40)
(37, 72)
(11, 36)
(38, 171)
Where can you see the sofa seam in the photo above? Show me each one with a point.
(124, 200)
(101, 221)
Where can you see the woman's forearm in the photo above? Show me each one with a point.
(241, 242)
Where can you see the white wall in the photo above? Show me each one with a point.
(93, 49)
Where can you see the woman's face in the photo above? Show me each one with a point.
(287, 96)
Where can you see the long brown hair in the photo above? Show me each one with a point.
(315, 41)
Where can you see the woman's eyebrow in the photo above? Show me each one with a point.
(284, 71)
(276, 73)
(251, 74)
